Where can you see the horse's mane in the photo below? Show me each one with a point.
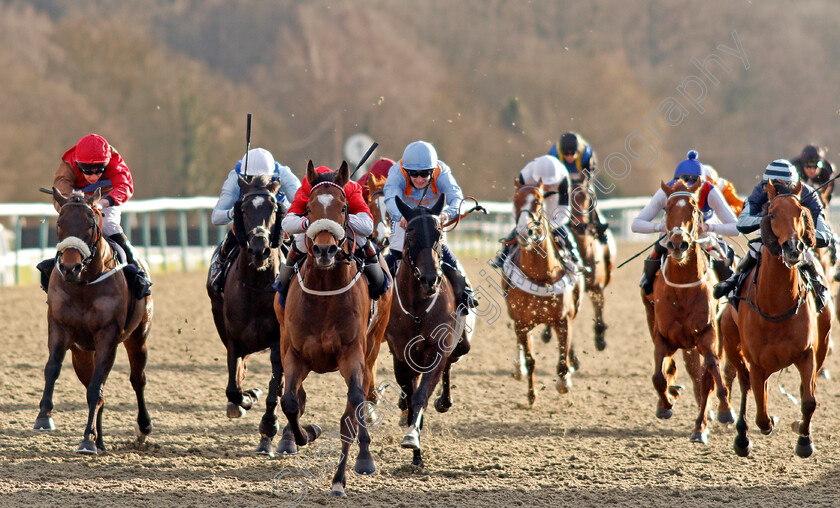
(329, 176)
(259, 181)
(77, 196)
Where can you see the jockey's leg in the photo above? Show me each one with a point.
(507, 244)
(453, 270)
(723, 267)
(600, 224)
(395, 242)
(813, 271)
(377, 280)
(219, 263)
(724, 287)
(139, 283)
(566, 240)
(652, 264)
(46, 268)
(287, 269)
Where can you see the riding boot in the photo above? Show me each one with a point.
(651, 267)
(566, 241)
(600, 224)
(722, 269)
(724, 287)
(821, 293)
(219, 263)
(507, 244)
(464, 297)
(138, 281)
(46, 268)
(378, 281)
(391, 259)
(284, 277)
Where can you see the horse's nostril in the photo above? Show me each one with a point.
(669, 245)
(332, 250)
(684, 246)
(266, 252)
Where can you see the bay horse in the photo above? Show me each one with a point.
(681, 313)
(596, 257)
(426, 332)
(328, 324)
(776, 324)
(539, 287)
(90, 312)
(244, 312)
(376, 202)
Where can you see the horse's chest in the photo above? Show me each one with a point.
(680, 322)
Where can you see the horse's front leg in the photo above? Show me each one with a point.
(235, 408)
(352, 368)
(664, 364)
(436, 363)
(135, 346)
(564, 344)
(57, 349)
(524, 341)
(294, 373)
(268, 424)
(444, 402)
(807, 373)
(596, 295)
(758, 380)
(105, 355)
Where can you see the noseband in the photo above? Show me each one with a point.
(338, 231)
(437, 247)
(679, 230)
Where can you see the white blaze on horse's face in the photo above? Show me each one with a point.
(525, 219)
(325, 200)
(257, 201)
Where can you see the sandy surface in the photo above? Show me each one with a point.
(598, 445)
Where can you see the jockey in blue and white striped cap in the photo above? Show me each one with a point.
(780, 171)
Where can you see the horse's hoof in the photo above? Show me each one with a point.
(600, 343)
(337, 490)
(44, 424)
(726, 417)
(563, 384)
(411, 442)
(141, 432)
(365, 466)
(743, 446)
(441, 406)
(824, 373)
(532, 397)
(87, 447)
(769, 429)
(664, 414)
(700, 437)
(516, 374)
(254, 393)
(235, 411)
(286, 447)
(804, 447)
(264, 448)
(312, 431)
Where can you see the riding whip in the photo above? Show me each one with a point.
(364, 158)
(639, 254)
(247, 146)
(806, 196)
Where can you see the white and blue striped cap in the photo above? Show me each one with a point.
(780, 170)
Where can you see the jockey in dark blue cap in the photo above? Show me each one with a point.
(784, 177)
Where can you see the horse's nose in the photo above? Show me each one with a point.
(324, 250)
(261, 253)
(71, 273)
(429, 283)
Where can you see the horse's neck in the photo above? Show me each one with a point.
(691, 270)
(783, 283)
(540, 263)
(250, 274)
(409, 289)
(101, 261)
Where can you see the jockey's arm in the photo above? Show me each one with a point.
(394, 186)
(446, 184)
(223, 211)
(643, 223)
(750, 218)
(561, 213)
(728, 222)
(361, 224)
(289, 184)
(294, 224)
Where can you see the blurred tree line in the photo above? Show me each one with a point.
(492, 83)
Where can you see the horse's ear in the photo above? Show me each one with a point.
(405, 210)
(311, 175)
(94, 198)
(243, 183)
(273, 186)
(59, 197)
(771, 190)
(342, 175)
(667, 190)
(695, 186)
(516, 183)
(438, 206)
(798, 187)
(376, 180)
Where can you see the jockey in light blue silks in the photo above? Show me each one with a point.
(717, 218)
(418, 179)
(260, 162)
(784, 177)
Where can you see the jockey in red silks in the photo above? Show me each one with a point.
(360, 221)
(93, 164)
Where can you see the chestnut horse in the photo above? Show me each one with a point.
(376, 203)
(539, 287)
(244, 312)
(327, 324)
(426, 333)
(596, 257)
(681, 313)
(91, 311)
(776, 324)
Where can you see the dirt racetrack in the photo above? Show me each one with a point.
(598, 445)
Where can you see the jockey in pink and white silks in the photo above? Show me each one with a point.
(419, 178)
(718, 219)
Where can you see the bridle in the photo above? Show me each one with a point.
(73, 242)
(679, 230)
(309, 238)
(533, 218)
(437, 247)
